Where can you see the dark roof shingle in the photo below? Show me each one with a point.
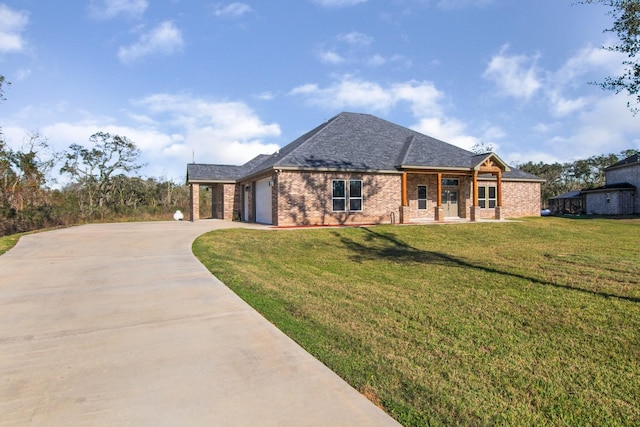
(354, 142)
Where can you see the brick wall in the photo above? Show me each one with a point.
(304, 198)
(520, 199)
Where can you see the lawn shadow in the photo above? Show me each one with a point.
(387, 246)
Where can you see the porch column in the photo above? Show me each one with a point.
(499, 213)
(194, 202)
(439, 213)
(405, 215)
(475, 209)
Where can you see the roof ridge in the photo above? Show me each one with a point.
(405, 149)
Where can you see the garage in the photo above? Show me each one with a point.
(263, 201)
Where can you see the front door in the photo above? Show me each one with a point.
(450, 203)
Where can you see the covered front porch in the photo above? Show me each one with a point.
(448, 194)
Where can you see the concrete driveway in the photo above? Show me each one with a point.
(119, 324)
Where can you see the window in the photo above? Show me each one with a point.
(355, 195)
(607, 198)
(450, 182)
(487, 197)
(340, 196)
(422, 197)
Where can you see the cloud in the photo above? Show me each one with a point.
(232, 10)
(355, 38)
(350, 92)
(338, 3)
(218, 131)
(514, 75)
(422, 99)
(574, 74)
(108, 9)
(12, 24)
(170, 129)
(330, 57)
(165, 39)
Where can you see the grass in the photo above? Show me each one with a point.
(8, 242)
(528, 323)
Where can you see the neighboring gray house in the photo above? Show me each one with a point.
(360, 169)
(619, 196)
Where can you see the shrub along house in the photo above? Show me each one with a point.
(360, 169)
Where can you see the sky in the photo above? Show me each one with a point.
(221, 82)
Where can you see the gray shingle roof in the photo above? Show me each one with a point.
(354, 142)
(629, 160)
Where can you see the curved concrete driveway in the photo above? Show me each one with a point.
(119, 324)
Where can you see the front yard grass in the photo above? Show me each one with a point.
(521, 323)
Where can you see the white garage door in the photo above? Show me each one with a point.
(263, 202)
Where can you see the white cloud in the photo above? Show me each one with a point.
(514, 75)
(218, 132)
(108, 9)
(338, 3)
(572, 77)
(232, 10)
(169, 129)
(355, 38)
(421, 97)
(330, 57)
(12, 24)
(446, 129)
(165, 39)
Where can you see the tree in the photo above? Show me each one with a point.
(626, 25)
(94, 168)
(3, 82)
(482, 147)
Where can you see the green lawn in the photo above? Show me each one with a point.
(8, 242)
(520, 323)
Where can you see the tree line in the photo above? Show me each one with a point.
(581, 174)
(103, 184)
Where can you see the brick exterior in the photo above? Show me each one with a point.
(304, 198)
(521, 198)
(194, 211)
(223, 202)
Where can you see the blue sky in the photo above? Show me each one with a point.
(222, 82)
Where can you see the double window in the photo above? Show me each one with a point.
(343, 195)
(487, 197)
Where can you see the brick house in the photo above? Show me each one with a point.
(360, 169)
(619, 196)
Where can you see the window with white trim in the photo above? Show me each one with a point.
(343, 196)
(422, 197)
(355, 195)
(339, 195)
(487, 196)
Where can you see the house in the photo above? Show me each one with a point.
(360, 169)
(619, 196)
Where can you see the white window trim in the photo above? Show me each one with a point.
(334, 198)
(347, 195)
(426, 196)
(361, 197)
(486, 199)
